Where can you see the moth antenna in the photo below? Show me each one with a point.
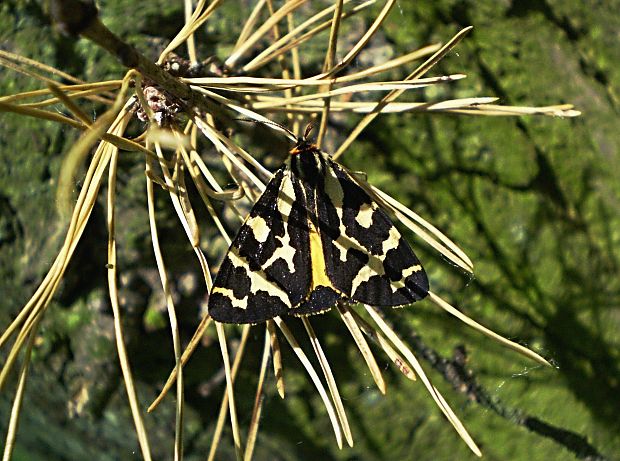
(269, 122)
(308, 130)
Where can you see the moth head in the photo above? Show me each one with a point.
(303, 144)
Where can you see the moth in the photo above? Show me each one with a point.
(314, 237)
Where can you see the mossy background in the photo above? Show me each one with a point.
(534, 202)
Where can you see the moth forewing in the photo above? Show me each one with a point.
(266, 268)
(370, 261)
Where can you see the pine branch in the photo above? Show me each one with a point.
(76, 17)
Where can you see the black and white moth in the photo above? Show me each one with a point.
(313, 237)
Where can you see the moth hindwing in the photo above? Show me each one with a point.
(314, 237)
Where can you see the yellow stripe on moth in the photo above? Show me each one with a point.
(398, 284)
(259, 227)
(317, 258)
(344, 242)
(285, 252)
(365, 214)
(258, 282)
(375, 264)
(230, 295)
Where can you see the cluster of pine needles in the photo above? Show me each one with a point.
(198, 109)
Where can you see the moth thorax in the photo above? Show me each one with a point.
(308, 165)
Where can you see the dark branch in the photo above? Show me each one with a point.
(463, 380)
(77, 17)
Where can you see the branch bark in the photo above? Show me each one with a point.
(77, 17)
(463, 380)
